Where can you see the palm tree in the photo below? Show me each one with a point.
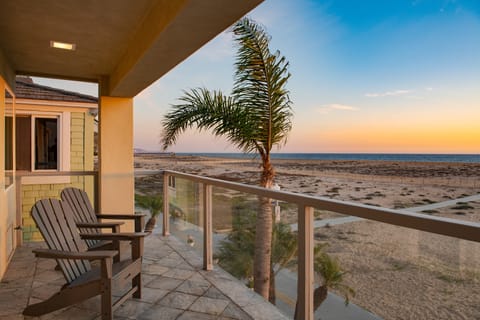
(236, 253)
(255, 117)
(152, 203)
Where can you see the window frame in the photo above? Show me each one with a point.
(63, 146)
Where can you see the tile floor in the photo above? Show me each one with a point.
(174, 287)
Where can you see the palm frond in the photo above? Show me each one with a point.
(260, 82)
(207, 110)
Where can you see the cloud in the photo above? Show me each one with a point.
(335, 106)
(429, 89)
(387, 94)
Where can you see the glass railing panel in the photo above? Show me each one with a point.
(235, 223)
(186, 212)
(234, 216)
(396, 272)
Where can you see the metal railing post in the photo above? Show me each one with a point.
(207, 228)
(305, 263)
(166, 209)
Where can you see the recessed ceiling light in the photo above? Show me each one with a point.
(62, 45)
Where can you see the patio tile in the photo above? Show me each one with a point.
(44, 291)
(178, 300)
(177, 273)
(171, 262)
(146, 278)
(46, 264)
(193, 287)
(152, 295)
(174, 287)
(234, 312)
(132, 309)
(188, 315)
(154, 268)
(164, 283)
(215, 294)
(13, 300)
(209, 305)
(48, 275)
(160, 312)
(198, 278)
(74, 313)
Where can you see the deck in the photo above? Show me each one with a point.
(174, 287)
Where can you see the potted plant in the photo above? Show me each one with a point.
(152, 203)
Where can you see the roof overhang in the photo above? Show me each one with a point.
(122, 44)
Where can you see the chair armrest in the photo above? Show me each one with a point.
(120, 216)
(139, 218)
(102, 225)
(89, 255)
(113, 236)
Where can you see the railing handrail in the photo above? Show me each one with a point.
(20, 174)
(460, 229)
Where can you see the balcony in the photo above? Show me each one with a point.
(429, 266)
(174, 286)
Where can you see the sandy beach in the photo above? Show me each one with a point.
(397, 273)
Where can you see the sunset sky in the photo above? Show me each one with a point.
(367, 76)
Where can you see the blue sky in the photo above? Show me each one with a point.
(367, 76)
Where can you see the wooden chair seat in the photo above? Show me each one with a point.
(54, 219)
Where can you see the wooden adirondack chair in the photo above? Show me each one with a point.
(54, 219)
(88, 221)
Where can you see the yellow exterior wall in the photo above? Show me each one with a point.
(7, 197)
(3, 196)
(81, 159)
(116, 177)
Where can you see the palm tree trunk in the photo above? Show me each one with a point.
(263, 249)
(271, 296)
(263, 236)
(150, 225)
(319, 295)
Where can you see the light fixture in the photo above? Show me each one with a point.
(62, 45)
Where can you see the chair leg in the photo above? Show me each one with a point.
(137, 282)
(107, 302)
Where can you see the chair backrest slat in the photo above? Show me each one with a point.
(54, 220)
(82, 209)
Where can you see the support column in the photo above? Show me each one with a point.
(116, 176)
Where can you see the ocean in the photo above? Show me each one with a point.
(462, 158)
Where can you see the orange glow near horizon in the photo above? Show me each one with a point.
(448, 133)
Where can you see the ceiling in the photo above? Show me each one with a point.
(123, 44)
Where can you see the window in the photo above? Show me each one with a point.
(37, 143)
(46, 148)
